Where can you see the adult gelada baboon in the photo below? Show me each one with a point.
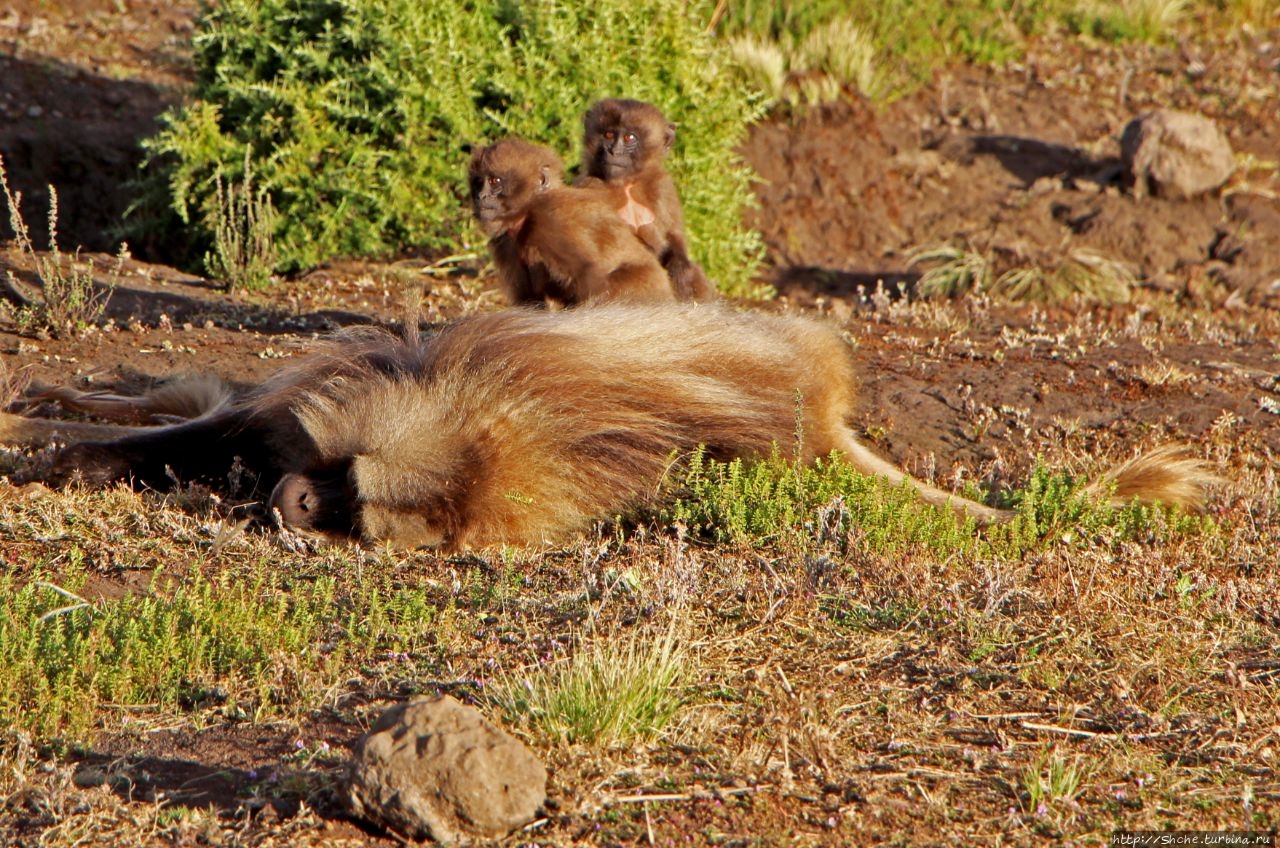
(624, 144)
(523, 426)
(552, 243)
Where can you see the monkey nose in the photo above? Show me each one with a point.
(296, 499)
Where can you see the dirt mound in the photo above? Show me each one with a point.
(1020, 168)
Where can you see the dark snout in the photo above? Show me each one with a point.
(614, 166)
(322, 503)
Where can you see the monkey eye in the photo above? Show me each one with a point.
(629, 138)
(495, 182)
(608, 135)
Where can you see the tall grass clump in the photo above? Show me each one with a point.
(834, 56)
(1129, 20)
(357, 115)
(609, 694)
(951, 271)
(904, 40)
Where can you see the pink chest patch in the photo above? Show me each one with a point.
(635, 213)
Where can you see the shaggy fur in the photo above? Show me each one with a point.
(555, 244)
(523, 427)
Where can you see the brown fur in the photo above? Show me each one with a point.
(624, 143)
(556, 244)
(524, 426)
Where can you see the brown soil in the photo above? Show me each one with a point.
(1019, 163)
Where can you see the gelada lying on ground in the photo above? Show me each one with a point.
(516, 427)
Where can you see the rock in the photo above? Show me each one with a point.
(1175, 154)
(438, 768)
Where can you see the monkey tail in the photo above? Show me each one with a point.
(866, 462)
(1167, 475)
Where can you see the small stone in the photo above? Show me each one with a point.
(34, 111)
(1175, 154)
(438, 768)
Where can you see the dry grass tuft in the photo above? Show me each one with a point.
(817, 68)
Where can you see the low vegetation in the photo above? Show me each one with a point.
(70, 299)
(269, 641)
(821, 50)
(951, 271)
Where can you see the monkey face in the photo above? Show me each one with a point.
(505, 177)
(623, 137)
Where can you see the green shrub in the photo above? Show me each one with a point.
(357, 114)
(755, 503)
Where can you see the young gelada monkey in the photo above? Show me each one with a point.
(623, 145)
(523, 427)
(552, 243)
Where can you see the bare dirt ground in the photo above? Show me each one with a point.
(1016, 162)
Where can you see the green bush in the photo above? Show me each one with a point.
(758, 503)
(357, 114)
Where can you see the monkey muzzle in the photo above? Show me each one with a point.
(616, 167)
(322, 503)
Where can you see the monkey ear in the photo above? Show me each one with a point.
(668, 136)
(544, 178)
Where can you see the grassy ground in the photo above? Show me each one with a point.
(784, 657)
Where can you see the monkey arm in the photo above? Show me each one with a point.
(521, 283)
(204, 450)
(687, 278)
(184, 398)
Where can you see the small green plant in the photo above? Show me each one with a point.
(1051, 779)
(244, 251)
(70, 300)
(607, 695)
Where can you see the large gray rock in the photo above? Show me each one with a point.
(438, 768)
(1175, 154)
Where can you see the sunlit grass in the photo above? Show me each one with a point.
(267, 644)
(605, 694)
